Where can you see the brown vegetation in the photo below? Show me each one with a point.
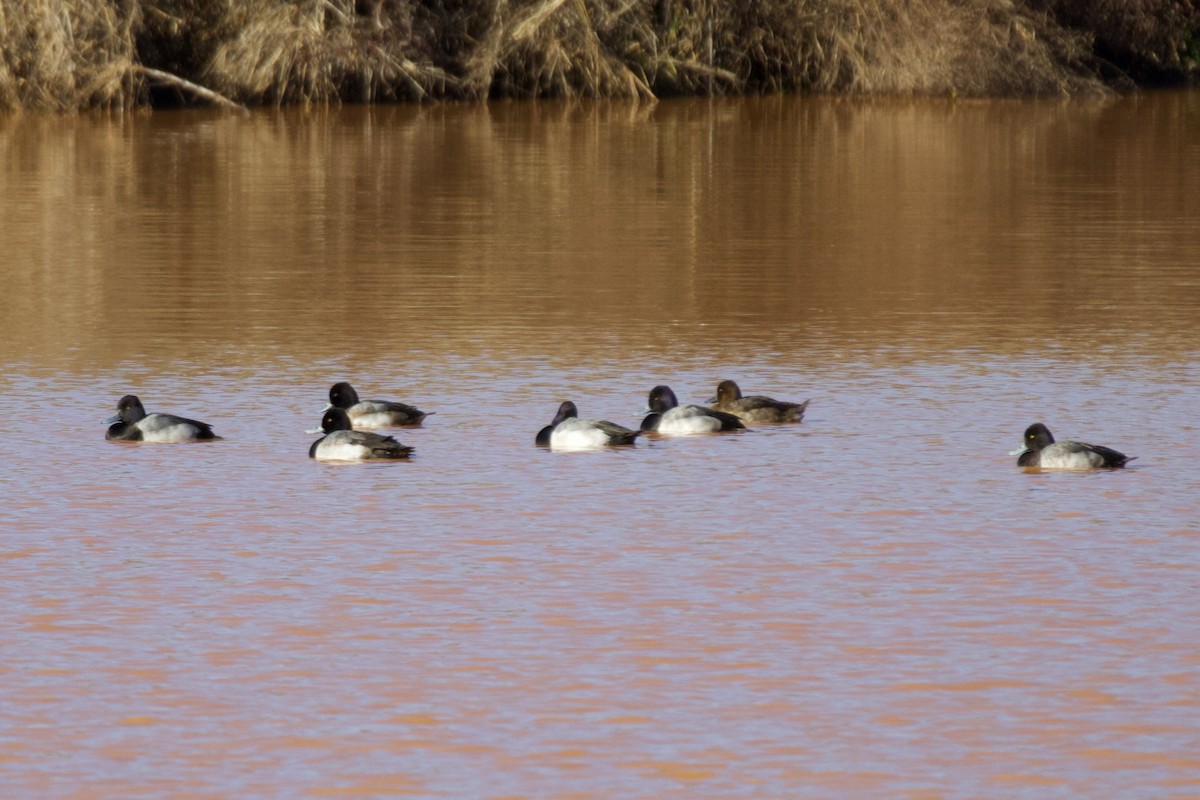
(63, 56)
(66, 54)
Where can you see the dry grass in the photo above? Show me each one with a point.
(65, 54)
(973, 47)
(1153, 41)
(323, 50)
(552, 48)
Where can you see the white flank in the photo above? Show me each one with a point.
(340, 451)
(160, 428)
(685, 421)
(577, 434)
(1062, 455)
(373, 419)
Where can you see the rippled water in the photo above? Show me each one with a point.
(873, 603)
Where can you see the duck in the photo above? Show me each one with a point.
(755, 408)
(568, 432)
(668, 418)
(367, 414)
(342, 443)
(131, 423)
(1039, 449)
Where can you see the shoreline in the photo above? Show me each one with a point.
(64, 55)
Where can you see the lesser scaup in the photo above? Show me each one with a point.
(1040, 450)
(342, 443)
(755, 408)
(131, 423)
(366, 414)
(568, 432)
(668, 418)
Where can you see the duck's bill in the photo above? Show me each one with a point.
(115, 418)
(325, 408)
(711, 401)
(315, 430)
(1019, 451)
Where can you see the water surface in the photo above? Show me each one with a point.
(873, 603)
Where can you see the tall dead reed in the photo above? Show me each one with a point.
(326, 50)
(1149, 41)
(320, 50)
(58, 55)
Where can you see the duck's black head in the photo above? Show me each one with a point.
(336, 419)
(342, 395)
(662, 399)
(1038, 436)
(565, 411)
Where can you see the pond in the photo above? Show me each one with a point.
(874, 602)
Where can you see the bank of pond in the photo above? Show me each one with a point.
(96, 53)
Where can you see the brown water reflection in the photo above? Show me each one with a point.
(995, 224)
(875, 602)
